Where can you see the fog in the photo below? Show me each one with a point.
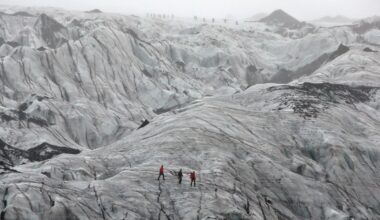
(302, 9)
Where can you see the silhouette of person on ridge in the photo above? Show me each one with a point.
(161, 173)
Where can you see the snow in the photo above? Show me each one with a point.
(356, 67)
(373, 36)
(306, 149)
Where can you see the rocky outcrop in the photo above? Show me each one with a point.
(11, 156)
(310, 99)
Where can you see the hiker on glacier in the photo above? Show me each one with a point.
(161, 173)
(192, 178)
(180, 176)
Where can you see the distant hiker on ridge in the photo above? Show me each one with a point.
(161, 173)
(180, 176)
(192, 177)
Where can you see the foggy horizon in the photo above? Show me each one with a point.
(300, 9)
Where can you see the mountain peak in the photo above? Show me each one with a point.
(281, 18)
(51, 31)
(280, 11)
(257, 17)
(48, 24)
(46, 21)
(95, 11)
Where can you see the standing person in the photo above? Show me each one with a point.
(180, 176)
(161, 173)
(192, 177)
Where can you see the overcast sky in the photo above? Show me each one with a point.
(301, 9)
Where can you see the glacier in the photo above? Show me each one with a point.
(279, 121)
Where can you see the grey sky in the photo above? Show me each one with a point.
(301, 9)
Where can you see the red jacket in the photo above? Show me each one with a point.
(162, 170)
(192, 175)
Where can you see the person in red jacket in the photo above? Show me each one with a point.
(161, 173)
(192, 177)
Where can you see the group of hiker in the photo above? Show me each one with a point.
(179, 175)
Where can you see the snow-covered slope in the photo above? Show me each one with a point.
(359, 66)
(329, 21)
(271, 152)
(75, 87)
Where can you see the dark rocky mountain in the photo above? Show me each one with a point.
(281, 18)
(94, 11)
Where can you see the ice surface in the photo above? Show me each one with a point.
(74, 88)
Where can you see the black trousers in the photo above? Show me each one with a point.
(179, 180)
(192, 181)
(161, 174)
